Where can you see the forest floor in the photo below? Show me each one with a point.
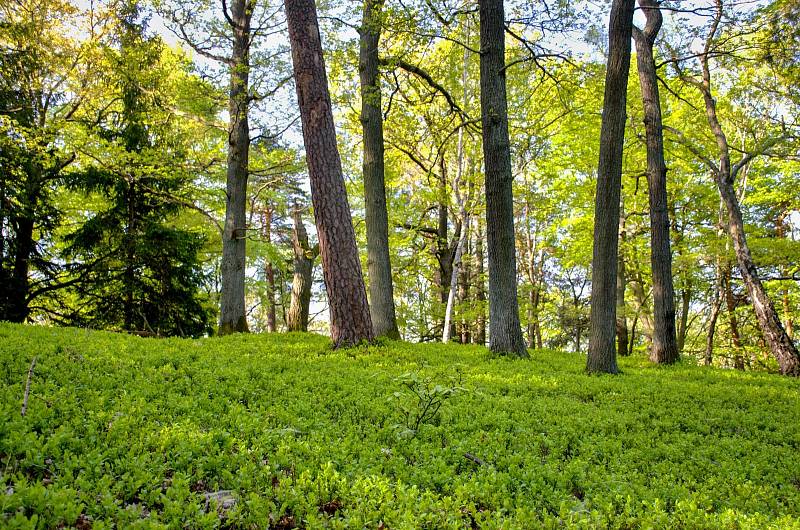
(278, 431)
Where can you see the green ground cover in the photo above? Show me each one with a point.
(127, 432)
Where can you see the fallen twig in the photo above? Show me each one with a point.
(28, 387)
(470, 456)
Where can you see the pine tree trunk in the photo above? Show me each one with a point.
(304, 255)
(665, 343)
(379, 267)
(602, 352)
(347, 297)
(232, 317)
(505, 331)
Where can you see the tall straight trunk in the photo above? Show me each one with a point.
(347, 297)
(379, 267)
(480, 289)
(232, 318)
(665, 342)
(602, 352)
(622, 318)
(505, 330)
(304, 255)
(782, 347)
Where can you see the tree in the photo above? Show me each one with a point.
(232, 316)
(379, 268)
(142, 274)
(349, 313)
(665, 344)
(725, 172)
(304, 256)
(505, 330)
(601, 357)
(43, 77)
(231, 36)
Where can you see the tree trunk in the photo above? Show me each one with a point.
(665, 343)
(347, 297)
(480, 289)
(18, 293)
(304, 255)
(505, 331)
(683, 324)
(269, 271)
(232, 317)
(463, 290)
(730, 304)
(782, 347)
(632, 337)
(379, 267)
(602, 356)
(622, 318)
(462, 210)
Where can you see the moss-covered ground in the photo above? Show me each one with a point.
(278, 431)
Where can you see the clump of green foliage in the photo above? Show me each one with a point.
(279, 431)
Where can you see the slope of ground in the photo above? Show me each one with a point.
(278, 431)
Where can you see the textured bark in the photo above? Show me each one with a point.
(665, 343)
(304, 255)
(379, 267)
(602, 352)
(232, 318)
(782, 347)
(347, 297)
(622, 319)
(505, 331)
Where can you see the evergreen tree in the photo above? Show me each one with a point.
(146, 273)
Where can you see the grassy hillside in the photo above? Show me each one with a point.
(278, 431)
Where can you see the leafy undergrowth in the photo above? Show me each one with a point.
(278, 431)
